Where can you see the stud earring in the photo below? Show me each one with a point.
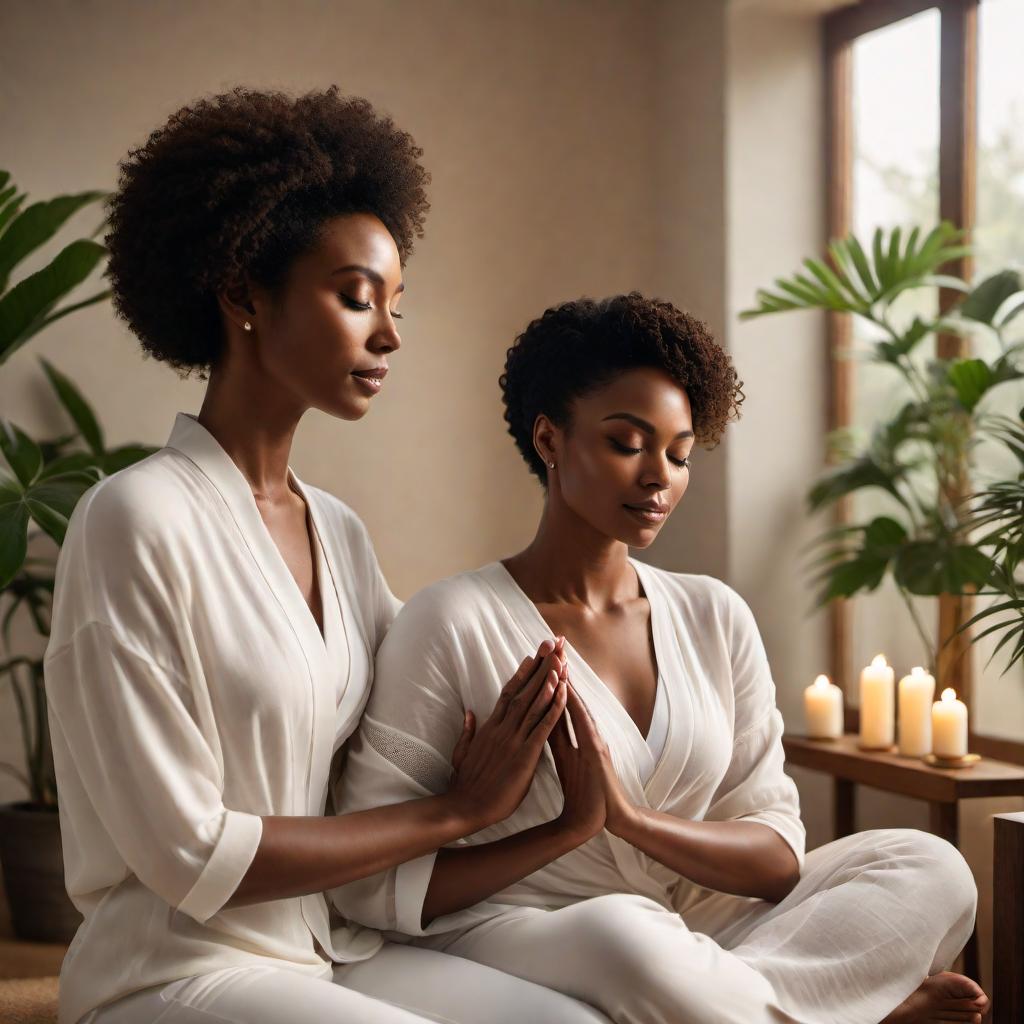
(551, 465)
(247, 325)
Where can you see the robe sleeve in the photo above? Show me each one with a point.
(120, 703)
(755, 786)
(401, 752)
(385, 606)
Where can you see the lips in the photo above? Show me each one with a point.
(372, 379)
(650, 512)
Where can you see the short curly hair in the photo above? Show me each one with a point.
(241, 184)
(577, 347)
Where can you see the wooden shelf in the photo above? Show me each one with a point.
(908, 776)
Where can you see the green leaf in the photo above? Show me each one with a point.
(51, 502)
(37, 225)
(970, 378)
(884, 534)
(10, 204)
(24, 307)
(126, 455)
(854, 476)
(77, 407)
(13, 530)
(852, 576)
(22, 453)
(76, 462)
(984, 300)
(861, 263)
(930, 568)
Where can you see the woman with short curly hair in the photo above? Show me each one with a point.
(215, 619)
(657, 868)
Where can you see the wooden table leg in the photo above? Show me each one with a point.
(945, 822)
(1008, 920)
(844, 808)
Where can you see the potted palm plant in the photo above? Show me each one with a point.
(917, 457)
(40, 484)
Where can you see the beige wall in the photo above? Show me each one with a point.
(578, 146)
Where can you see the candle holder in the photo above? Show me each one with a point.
(967, 761)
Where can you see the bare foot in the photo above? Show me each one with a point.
(942, 997)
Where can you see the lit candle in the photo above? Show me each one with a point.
(823, 709)
(916, 693)
(877, 705)
(949, 725)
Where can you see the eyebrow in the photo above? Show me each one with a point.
(366, 272)
(646, 427)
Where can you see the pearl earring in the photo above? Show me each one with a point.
(247, 325)
(551, 465)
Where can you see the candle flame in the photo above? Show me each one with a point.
(878, 661)
(949, 694)
(821, 682)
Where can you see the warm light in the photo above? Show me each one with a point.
(878, 661)
(822, 682)
(917, 671)
(949, 694)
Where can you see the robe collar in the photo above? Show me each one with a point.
(194, 441)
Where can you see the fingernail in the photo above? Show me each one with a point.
(547, 647)
(560, 642)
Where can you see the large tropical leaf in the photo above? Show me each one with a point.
(986, 298)
(21, 452)
(36, 225)
(856, 282)
(933, 567)
(77, 407)
(14, 518)
(24, 308)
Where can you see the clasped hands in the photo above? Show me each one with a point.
(494, 763)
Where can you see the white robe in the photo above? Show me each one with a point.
(190, 692)
(871, 917)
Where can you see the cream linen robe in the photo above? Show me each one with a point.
(190, 692)
(852, 940)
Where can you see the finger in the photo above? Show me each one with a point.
(546, 726)
(582, 722)
(521, 675)
(461, 748)
(542, 701)
(519, 705)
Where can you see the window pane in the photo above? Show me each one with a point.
(999, 242)
(895, 183)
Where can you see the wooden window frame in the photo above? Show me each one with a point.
(958, 93)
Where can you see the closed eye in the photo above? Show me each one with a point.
(364, 306)
(626, 450)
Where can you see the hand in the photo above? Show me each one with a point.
(495, 764)
(578, 768)
(618, 810)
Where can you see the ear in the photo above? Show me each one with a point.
(547, 440)
(236, 304)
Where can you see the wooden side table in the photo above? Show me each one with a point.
(941, 788)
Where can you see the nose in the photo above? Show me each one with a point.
(656, 472)
(386, 338)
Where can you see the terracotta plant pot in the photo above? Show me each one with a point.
(33, 866)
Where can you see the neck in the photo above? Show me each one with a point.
(569, 562)
(253, 424)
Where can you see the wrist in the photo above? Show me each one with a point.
(624, 820)
(575, 832)
(464, 814)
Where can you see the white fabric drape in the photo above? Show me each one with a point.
(871, 917)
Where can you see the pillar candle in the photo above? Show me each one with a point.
(823, 709)
(949, 726)
(877, 705)
(916, 693)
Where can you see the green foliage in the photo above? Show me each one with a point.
(918, 457)
(44, 479)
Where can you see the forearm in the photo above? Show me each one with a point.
(467, 875)
(745, 858)
(302, 855)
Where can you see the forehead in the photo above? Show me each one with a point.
(646, 392)
(357, 238)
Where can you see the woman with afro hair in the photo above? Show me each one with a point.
(215, 619)
(656, 869)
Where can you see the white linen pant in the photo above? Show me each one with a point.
(398, 985)
(873, 915)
